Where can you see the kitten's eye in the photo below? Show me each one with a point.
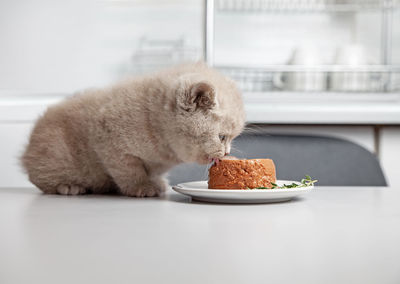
(222, 138)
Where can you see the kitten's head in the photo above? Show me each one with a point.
(209, 114)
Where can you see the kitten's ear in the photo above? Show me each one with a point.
(197, 96)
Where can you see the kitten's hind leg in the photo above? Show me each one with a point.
(68, 189)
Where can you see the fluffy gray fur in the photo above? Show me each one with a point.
(126, 137)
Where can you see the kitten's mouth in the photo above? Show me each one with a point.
(208, 160)
(213, 161)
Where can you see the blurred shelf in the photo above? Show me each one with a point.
(155, 54)
(274, 6)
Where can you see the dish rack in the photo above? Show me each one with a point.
(303, 5)
(371, 78)
(378, 78)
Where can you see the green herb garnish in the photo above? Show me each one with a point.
(307, 181)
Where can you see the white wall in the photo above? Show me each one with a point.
(56, 45)
(48, 45)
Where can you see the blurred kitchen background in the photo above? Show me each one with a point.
(319, 67)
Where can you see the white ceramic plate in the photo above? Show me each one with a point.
(198, 190)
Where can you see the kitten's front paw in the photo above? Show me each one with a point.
(147, 189)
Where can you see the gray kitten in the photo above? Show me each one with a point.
(125, 137)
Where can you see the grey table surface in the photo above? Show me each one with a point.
(332, 235)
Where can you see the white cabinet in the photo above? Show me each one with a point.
(390, 154)
(14, 137)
